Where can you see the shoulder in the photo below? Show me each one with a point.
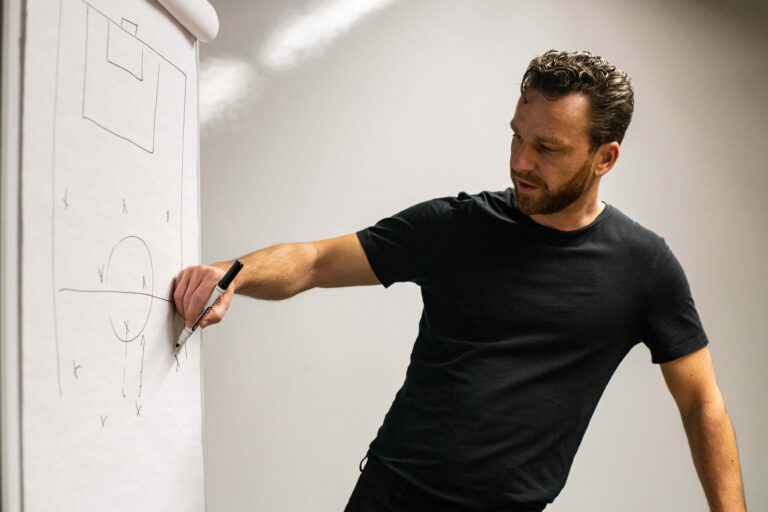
(636, 235)
(647, 249)
(485, 198)
(486, 203)
(462, 205)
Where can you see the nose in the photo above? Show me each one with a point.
(521, 158)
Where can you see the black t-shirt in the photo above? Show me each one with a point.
(522, 328)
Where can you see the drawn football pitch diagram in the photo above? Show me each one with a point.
(121, 103)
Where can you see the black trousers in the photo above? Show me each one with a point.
(380, 490)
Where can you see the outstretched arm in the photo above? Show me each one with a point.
(275, 273)
(691, 381)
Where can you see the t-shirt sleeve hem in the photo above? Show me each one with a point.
(681, 350)
(370, 252)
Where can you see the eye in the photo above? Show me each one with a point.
(516, 137)
(546, 149)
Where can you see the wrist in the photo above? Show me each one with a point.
(222, 265)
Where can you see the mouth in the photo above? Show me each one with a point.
(524, 186)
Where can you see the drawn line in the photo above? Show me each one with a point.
(139, 78)
(125, 363)
(152, 270)
(181, 198)
(141, 370)
(114, 291)
(53, 210)
(151, 151)
(118, 135)
(157, 94)
(133, 25)
(139, 39)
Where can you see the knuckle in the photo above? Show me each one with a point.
(189, 310)
(201, 295)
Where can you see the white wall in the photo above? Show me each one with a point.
(413, 102)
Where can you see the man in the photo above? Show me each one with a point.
(532, 297)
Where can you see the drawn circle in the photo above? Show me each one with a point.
(131, 279)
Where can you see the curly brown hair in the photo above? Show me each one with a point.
(557, 73)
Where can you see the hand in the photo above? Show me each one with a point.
(192, 288)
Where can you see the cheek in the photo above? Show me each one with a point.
(557, 172)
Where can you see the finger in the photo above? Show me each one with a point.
(201, 296)
(192, 304)
(211, 317)
(182, 281)
(216, 314)
(206, 277)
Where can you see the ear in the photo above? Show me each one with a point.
(605, 156)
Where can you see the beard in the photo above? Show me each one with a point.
(542, 201)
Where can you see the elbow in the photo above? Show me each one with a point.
(710, 409)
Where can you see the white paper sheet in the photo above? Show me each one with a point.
(111, 418)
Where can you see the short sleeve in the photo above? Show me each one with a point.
(672, 327)
(404, 247)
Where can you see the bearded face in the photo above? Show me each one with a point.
(551, 157)
(542, 200)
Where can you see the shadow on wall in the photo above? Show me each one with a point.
(751, 12)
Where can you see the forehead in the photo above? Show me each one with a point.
(564, 118)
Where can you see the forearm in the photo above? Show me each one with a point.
(276, 272)
(715, 455)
